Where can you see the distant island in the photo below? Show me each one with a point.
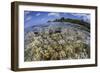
(75, 21)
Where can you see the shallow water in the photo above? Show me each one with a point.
(72, 34)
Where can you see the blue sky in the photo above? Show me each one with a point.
(37, 17)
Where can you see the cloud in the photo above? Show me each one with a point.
(80, 14)
(42, 19)
(38, 14)
(26, 12)
(28, 18)
(85, 17)
(54, 14)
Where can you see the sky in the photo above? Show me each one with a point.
(38, 17)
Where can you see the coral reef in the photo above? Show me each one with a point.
(57, 44)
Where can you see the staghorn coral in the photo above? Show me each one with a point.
(70, 43)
